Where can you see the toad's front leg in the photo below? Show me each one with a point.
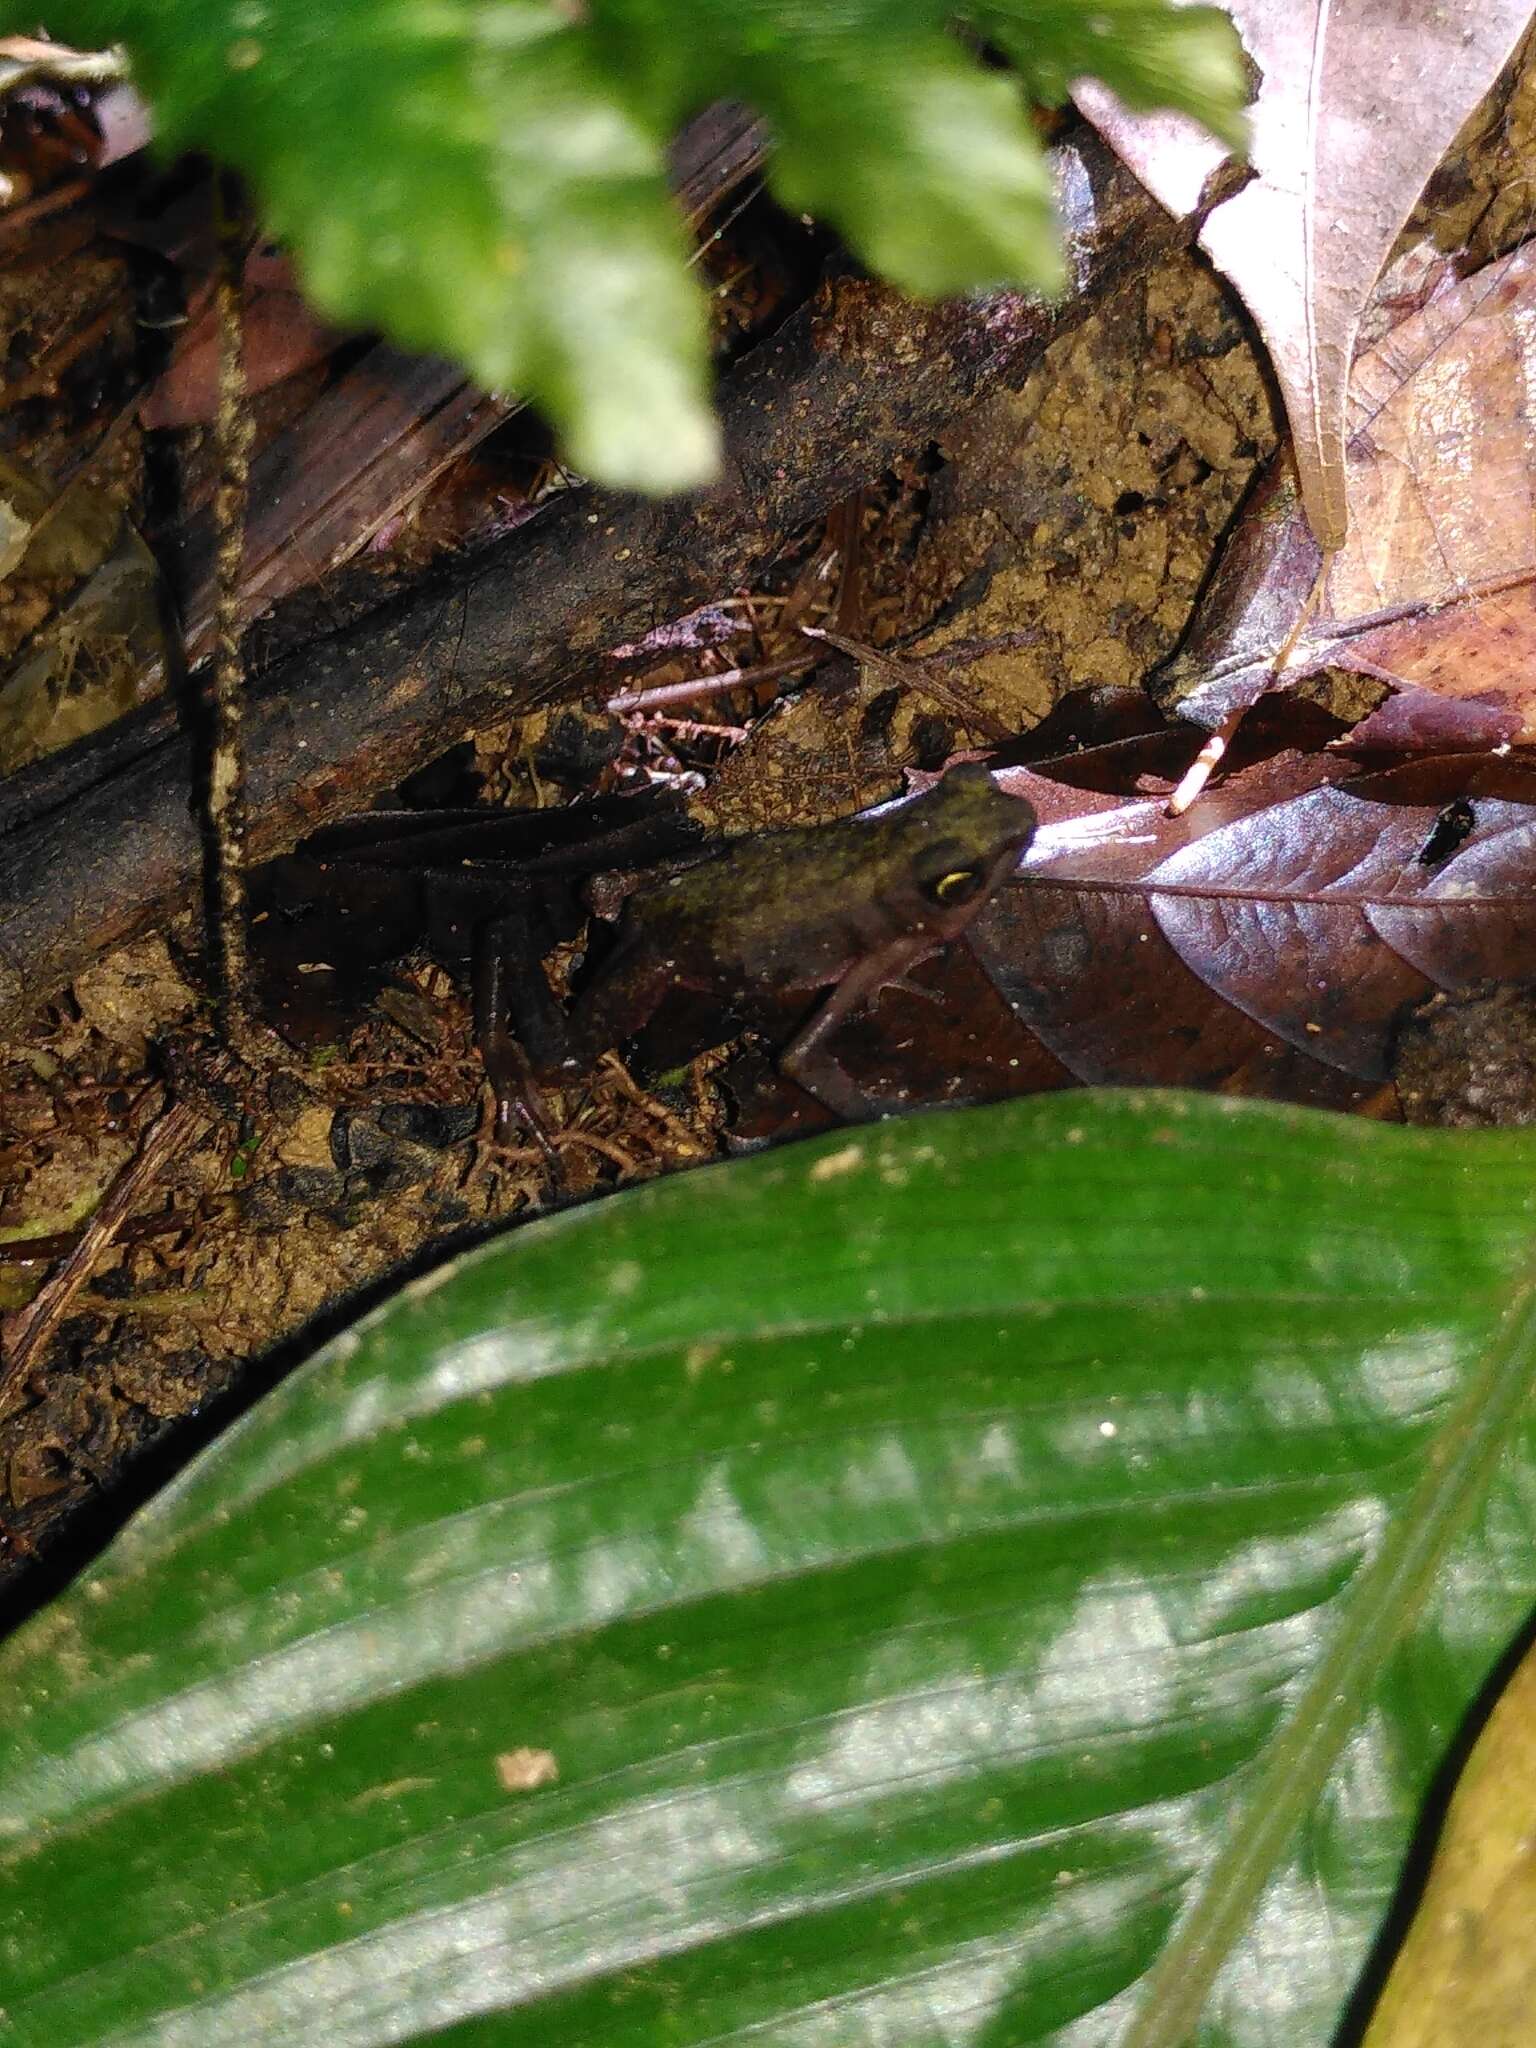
(518, 1024)
(806, 1059)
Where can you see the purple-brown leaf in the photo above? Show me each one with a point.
(1285, 916)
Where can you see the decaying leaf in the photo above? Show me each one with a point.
(280, 336)
(81, 630)
(1467, 1973)
(1432, 594)
(1358, 102)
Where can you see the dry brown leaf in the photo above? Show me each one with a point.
(83, 622)
(1435, 591)
(1282, 910)
(1467, 1972)
(1358, 102)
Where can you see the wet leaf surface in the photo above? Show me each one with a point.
(1021, 1513)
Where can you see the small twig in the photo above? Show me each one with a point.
(685, 728)
(58, 1244)
(960, 652)
(24, 1332)
(754, 191)
(662, 694)
(1206, 762)
(847, 526)
(21, 218)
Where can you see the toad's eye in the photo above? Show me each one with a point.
(958, 886)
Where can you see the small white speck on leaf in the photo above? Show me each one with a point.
(524, 1770)
(835, 1164)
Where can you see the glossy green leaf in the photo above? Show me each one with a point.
(961, 1581)
(484, 178)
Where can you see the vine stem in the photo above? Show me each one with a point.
(225, 795)
(25, 1331)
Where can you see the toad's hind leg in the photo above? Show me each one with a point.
(519, 1026)
(525, 1037)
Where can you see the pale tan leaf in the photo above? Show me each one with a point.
(1466, 1977)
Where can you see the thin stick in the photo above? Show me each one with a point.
(848, 523)
(58, 1244)
(753, 191)
(914, 672)
(1205, 764)
(1199, 772)
(24, 1332)
(688, 728)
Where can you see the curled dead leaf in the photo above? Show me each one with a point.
(1467, 1972)
(1345, 136)
(1434, 594)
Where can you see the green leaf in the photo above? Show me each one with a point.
(486, 180)
(1188, 58)
(463, 177)
(930, 168)
(867, 1593)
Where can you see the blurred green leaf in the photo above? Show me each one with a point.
(1188, 58)
(865, 1593)
(485, 180)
